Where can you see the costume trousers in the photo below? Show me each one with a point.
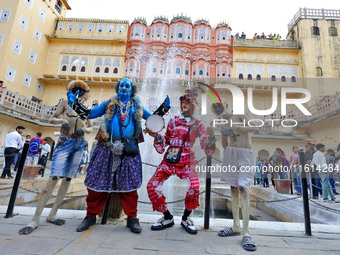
(163, 172)
(97, 200)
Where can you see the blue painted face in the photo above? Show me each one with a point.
(125, 89)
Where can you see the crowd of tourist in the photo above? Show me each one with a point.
(258, 36)
(320, 165)
(38, 151)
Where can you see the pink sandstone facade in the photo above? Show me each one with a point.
(179, 50)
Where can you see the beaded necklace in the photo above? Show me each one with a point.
(124, 109)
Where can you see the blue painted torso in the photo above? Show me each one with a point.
(127, 131)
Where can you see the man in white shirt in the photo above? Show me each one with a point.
(45, 150)
(319, 160)
(13, 143)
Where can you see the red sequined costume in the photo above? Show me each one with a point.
(177, 129)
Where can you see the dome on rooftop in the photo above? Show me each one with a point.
(181, 17)
(202, 21)
(140, 20)
(161, 19)
(222, 24)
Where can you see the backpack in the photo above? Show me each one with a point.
(34, 146)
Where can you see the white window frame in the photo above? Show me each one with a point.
(12, 77)
(34, 54)
(120, 27)
(100, 26)
(90, 27)
(15, 49)
(27, 77)
(23, 23)
(60, 26)
(5, 19)
(80, 27)
(110, 28)
(29, 3)
(37, 34)
(42, 14)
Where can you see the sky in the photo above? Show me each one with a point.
(250, 16)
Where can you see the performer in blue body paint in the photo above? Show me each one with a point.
(116, 165)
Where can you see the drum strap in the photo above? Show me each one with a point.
(186, 136)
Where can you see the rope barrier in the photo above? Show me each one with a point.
(326, 207)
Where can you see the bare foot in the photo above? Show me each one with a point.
(26, 230)
(58, 222)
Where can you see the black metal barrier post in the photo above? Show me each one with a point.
(207, 193)
(106, 209)
(17, 180)
(291, 174)
(308, 229)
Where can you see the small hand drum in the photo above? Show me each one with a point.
(155, 123)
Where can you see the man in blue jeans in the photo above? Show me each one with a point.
(319, 160)
(316, 182)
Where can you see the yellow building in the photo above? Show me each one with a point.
(263, 65)
(41, 51)
(317, 33)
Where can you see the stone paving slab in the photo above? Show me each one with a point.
(116, 238)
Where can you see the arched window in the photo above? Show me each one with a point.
(115, 70)
(99, 62)
(200, 72)
(273, 78)
(65, 60)
(318, 71)
(154, 70)
(240, 76)
(194, 73)
(107, 62)
(180, 35)
(106, 70)
(84, 61)
(293, 79)
(186, 72)
(223, 74)
(250, 77)
(75, 61)
(178, 70)
(258, 77)
(97, 70)
(73, 69)
(283, 79)
(207, 74)
(82, 69)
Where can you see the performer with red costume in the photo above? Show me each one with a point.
(181, 134)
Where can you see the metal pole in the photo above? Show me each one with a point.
(106, 209)
(308, 229)
(17, 180)
(291, 177)
(207, 193)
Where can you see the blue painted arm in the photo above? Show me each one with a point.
(146, 113)
(70, 97)
(98, 111)
(167, 102)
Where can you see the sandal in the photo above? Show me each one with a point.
(228, 232)
(248, 244)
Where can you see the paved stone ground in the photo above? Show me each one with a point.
(115, 238)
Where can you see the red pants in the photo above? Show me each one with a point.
(163, 172)
(97, 200)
